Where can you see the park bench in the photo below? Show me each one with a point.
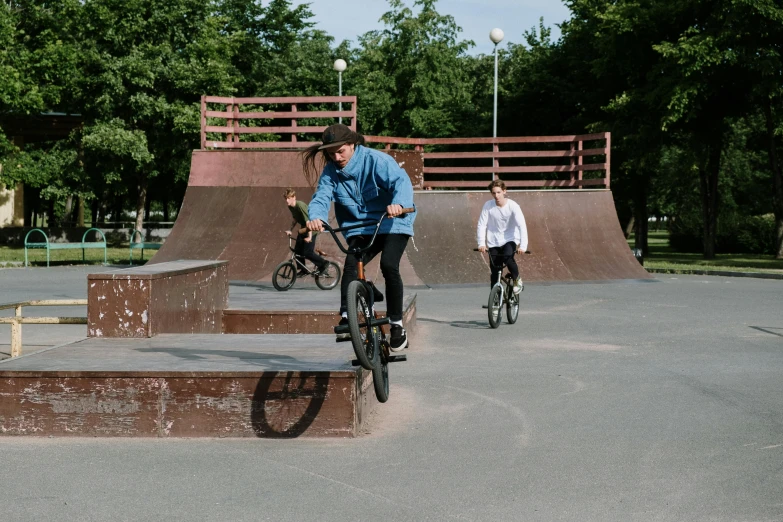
(83, 245)
(142, 245)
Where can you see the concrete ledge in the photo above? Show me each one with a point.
(239, 321)
(175, 297)
(187, 386)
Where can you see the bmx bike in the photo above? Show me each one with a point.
(370, 345)
(502, 294)
(285, 273)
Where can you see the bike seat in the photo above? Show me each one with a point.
(377, 296)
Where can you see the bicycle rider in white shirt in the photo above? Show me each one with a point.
(502, 230)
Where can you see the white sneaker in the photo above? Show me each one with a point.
(518, 285)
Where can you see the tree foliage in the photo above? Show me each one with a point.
(409, 74)
(691, 90)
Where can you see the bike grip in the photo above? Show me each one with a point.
(408, 210)
(303, 230)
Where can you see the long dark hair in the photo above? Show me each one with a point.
(313, 162)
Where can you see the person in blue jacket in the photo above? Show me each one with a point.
(363, 183)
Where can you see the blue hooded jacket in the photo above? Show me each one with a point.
(361, 191)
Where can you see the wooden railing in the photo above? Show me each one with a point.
(542, 164)
(573, 161)
(17, 320)
(280, 117)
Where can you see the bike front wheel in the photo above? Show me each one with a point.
(284, 276)
(512, 307)
(329, 276)
(380, 379)
(364, 337)
(494, 306)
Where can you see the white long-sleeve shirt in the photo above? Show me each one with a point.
(499, 225)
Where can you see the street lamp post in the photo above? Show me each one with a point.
(339, 66)
(496, 35)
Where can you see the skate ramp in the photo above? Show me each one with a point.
(573, 236)
(234, 210)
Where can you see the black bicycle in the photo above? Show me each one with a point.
(502, 294)
(371, 347)
(286, 273)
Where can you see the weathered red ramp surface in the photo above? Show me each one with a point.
(574, 235)
(234, 210)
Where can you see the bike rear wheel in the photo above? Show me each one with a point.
(512, 307)
(494, 306)
(380, 379)
(329, 276)
(284, 276)
(364, 337)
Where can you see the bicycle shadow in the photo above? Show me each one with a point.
(284, 403)
(769, 330)
(285, 410)
(471, 325)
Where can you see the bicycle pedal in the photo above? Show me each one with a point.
(342, 328)
(397, 358)
(345, 340)
(381, 321)
(355, 362)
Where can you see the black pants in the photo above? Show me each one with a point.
(391, 247)
(500, 257)
(305, 250)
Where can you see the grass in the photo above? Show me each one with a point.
(94, 256)
(663, 257)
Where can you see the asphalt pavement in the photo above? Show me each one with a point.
(620, 401)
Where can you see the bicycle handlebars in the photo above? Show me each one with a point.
(363, 224)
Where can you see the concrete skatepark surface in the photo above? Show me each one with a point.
(615, 401)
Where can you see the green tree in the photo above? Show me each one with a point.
(40, 71)
(409, 75)
(146, 64)
(668, 71)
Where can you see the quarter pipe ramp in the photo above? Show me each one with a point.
(234, 210)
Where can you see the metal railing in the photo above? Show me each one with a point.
(17, 320)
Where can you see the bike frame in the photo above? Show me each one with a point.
(358, 252)
(502, 286)
(294, 259)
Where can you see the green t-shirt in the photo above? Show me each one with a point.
(300, 214)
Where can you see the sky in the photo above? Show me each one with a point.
(347, 19)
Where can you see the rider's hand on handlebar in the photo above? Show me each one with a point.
(287, 232)
(520, 251)
(482, 249)
(315, 225)
(394, 210)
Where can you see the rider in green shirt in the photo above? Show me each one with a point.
(305, 243)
